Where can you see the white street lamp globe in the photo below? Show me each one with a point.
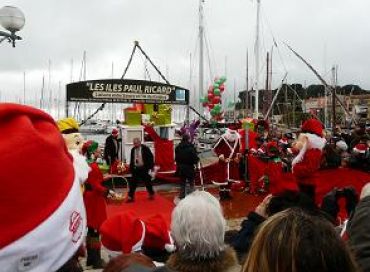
(11, 18)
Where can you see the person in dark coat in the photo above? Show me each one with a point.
(111, 147)
(242, 240)
(358, 231)
(141, 161)
(186, 158)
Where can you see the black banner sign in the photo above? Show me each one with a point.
(126, 91)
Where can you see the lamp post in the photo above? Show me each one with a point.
(12, 19)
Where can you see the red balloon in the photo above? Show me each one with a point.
(216, 100)
(210, 96)
(210, 89)
(205, 104)
(222, 87)
(211, 106)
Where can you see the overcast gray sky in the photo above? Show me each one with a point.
(325, 32)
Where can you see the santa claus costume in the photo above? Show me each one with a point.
(227, 149)
(306, 164)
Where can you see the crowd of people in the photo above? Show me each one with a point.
(52, 206)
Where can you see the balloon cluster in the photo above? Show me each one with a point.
(212, 100)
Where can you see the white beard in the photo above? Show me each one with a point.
(80, 166)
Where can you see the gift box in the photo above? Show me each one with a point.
(148, 109)
(132, 118)
(164, 109)
(158, 119)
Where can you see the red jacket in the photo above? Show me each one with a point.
(94, 198)
(306, 170)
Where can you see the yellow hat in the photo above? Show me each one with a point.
(68, 125)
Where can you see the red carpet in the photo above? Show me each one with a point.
(144, 207)
(340, 178)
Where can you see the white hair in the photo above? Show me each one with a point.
(342, 145)
(198, 226)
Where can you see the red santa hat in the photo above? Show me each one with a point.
(312, 126)
(272, 149)
(114, 131)
(283, 141)
(41, 207)
(157, 234)
(127, 233)
(360, 148)
(123, 233)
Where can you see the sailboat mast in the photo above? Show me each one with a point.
(257, 56)
(24, 88)
(42, 92)
(247, 88)
(333, 103)
(49, 88)
(58, 99)
(201, 53)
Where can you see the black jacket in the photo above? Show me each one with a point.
(185, 154)
(242, 241)
(359, 234)
(147, 156)
(110, 150)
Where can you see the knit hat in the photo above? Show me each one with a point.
(127, 233)
(272, 149)
(89, 147)
(283, 141)
(41, 207)
(312, 126)
(360, 148)
(68, 125)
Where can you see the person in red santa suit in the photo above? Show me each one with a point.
(227, 148)
(306, 164)
(94, 199)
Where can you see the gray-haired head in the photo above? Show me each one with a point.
(198, 226)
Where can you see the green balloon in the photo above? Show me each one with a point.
(217, 91)
(217, 107)
(219, 82)
(216, 85)
(223, 79)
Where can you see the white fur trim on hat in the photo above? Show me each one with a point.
(313, 142)
(52, 243)
(139, 244)
(360, 151)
